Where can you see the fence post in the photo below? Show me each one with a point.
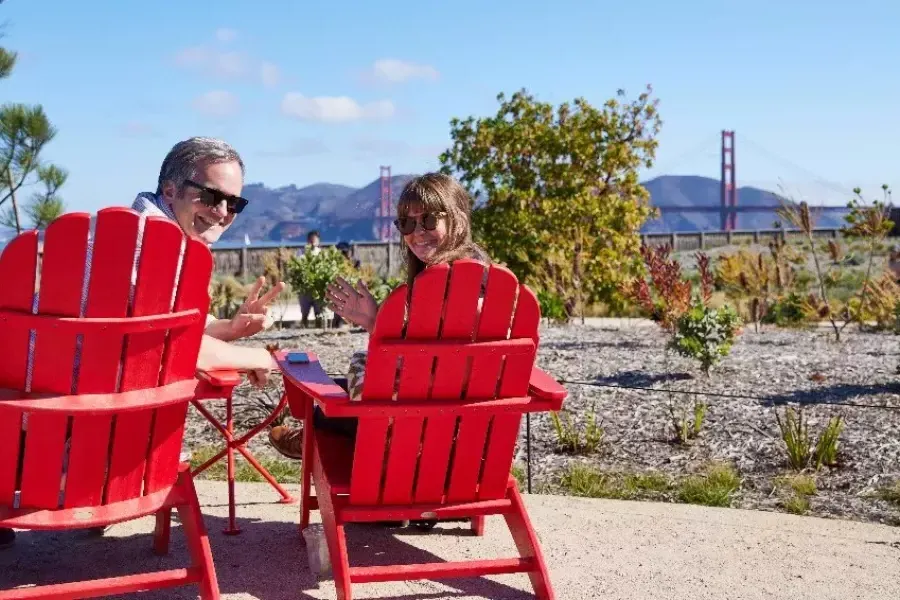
(674, 242)
(702, 241)
(390, 263)
(244, 261)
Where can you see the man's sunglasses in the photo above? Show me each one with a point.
(407, 225)
(212, 197)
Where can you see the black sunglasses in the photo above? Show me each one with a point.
(407, 225)
(212, 197)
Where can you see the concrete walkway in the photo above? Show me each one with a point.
(595, 548)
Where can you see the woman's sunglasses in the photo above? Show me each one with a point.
(212, 197)
(407, 225)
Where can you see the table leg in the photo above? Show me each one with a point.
(232, 444)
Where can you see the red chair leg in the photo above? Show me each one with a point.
(337, 545)
(478, 525)
(306, 468)
(198, 540)
(162, 532)
(528, 545)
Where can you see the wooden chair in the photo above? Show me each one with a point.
(99, 442)
(442, 403)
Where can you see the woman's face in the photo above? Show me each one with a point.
(424, 243)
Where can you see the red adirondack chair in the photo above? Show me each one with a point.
(436, 434)
(118, 419)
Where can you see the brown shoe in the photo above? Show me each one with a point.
(287, 440)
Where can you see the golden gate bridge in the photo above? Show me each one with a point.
(728, 207)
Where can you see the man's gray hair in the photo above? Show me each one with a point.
(183, 159)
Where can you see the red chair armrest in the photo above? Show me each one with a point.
(312, 380)
(218, 383)
(542, 385)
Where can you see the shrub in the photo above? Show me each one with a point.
(667, 295)
(553, 307)
(381, 287)
(309, 273)
(801, 451)
(569, 436)
(705, 334)
(794, 310)
(226, 294)
(881, 309)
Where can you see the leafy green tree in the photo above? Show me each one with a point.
(556, 189)
(24, 131)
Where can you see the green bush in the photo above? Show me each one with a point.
(381, 287)
(309, 274)
(553, 307)
(705, 334)
(792, 310)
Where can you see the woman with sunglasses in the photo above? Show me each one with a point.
(434, 219)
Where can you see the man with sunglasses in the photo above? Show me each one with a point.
(199, 188)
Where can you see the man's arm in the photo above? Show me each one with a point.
(221, 329)
(216, 354)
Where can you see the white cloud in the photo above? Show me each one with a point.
(225, 35)
(270, 74)
(391, 70)
(216, 103)
(334, 109)
(228, 65)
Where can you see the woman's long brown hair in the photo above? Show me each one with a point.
(436, 192)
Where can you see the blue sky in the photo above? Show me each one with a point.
(810, 87)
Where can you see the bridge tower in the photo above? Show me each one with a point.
(386, 205)
(729, 189)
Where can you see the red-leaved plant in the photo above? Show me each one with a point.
(666, 296)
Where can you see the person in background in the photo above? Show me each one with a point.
(347, 250)
(307, 302)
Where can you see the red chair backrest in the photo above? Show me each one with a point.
(440, 355)
(111, 456)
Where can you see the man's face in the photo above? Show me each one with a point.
(199, 221)
(314, 241)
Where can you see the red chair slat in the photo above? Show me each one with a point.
(451, 372)
(517, 370)
(494, 323)
(154, 289)
(179, 364)
(115, 239)
(18, 265)
(498, 456)
(424, 323)
(381, 371)
(10, 434)
(62, 284)
(460, 315)
(368, 461)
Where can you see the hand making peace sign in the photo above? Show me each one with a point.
(253, 316)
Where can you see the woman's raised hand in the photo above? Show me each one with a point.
(353, 303)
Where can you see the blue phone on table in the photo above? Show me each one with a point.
(300, 358)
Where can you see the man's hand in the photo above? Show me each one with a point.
(253, 316)
(355, 304)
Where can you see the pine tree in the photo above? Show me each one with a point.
(24, 131)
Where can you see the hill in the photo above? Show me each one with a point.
(692, 190)
(342, 212)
